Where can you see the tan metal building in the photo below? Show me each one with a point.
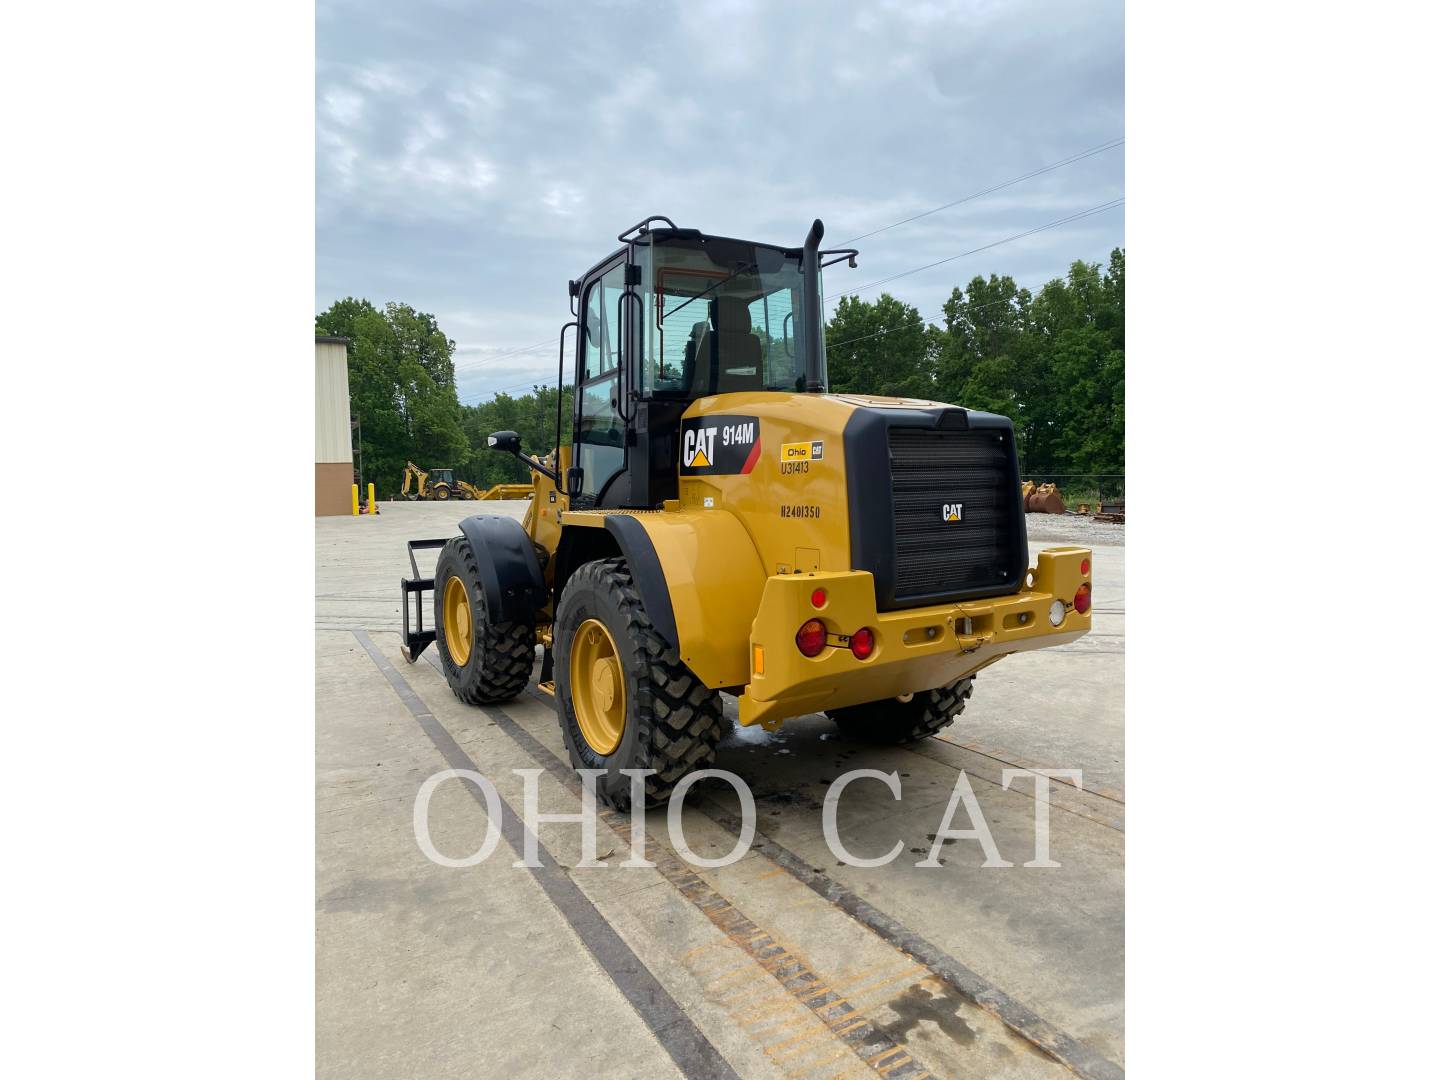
(334, 468)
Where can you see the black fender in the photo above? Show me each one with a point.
(510, 573)
(639, 551)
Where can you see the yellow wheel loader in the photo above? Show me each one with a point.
(723, 524)
(496, 491)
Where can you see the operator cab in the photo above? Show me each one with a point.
(673, 316)
(442, 476)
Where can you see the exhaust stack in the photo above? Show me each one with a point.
(813, 383)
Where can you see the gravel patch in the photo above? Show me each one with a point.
(1073, 529)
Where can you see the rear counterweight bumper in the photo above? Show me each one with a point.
(915, 649)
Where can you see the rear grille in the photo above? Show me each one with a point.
(932, 469)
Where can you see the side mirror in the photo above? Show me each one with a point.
(507, 442)
(574, 481)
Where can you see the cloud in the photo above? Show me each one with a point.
(473, 158)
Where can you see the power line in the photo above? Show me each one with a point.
(1102, 148)
(927, 319)
(512, 352)
(1111, 144)
(1102, 208)
(501, 389)
(984, 247)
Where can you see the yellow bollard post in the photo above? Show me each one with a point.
(355, 500)
(372, 497)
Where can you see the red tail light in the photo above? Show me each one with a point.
(1084, 566)
(810, 638)
(1082, 598)
(818, 598)
(862, 643)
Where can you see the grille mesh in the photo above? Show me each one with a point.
(931, 468)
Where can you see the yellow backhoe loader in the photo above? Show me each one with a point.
(724, 524)
(442, 487)
(445, 486)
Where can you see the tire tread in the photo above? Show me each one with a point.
(930, 713)
(507, 650)
(680, 717)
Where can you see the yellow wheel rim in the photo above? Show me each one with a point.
(597, 687)
(459, 625)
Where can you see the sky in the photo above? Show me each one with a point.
(472, 157)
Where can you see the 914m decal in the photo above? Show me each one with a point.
(719, 445)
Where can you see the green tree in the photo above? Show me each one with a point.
(1079, 337)
(402, 388)
(531, 416)
(1053, 362)
(982, 362)
(883, 347)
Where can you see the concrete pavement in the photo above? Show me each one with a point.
(785, 963)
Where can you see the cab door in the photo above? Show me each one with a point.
(600, 444)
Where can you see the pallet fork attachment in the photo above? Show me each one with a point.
(415, 641)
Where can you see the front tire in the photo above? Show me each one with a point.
(894, 721)
(625, 699)
(485, 663)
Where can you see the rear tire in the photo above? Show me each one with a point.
(441, 492)
(494, 660)
(672, 721)
(893, 721)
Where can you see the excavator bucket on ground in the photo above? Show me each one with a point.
(1042, 498)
